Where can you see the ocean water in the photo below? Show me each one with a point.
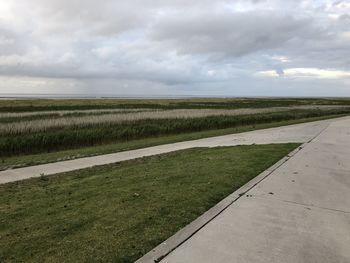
(99, 96)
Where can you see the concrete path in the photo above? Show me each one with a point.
(299, 213)
(293, 133)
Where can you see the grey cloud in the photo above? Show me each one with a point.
(280, 72)
(344, 17)
(170, 43)
(11, 42)
(229, 34)
(91, 17)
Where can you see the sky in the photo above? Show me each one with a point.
(175, 47)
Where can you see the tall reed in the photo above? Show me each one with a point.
(110, 119)
(68, 138)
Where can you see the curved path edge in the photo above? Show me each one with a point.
(297, 133)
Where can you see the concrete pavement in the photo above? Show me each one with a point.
(300, 212)
(294, 133)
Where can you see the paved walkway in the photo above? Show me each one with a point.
(299, 213)
(294, 133)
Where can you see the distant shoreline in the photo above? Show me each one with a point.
(12, 96)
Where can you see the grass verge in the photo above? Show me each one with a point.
(118, 212)
(35, 159)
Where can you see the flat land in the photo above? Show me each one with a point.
(42, 131)
(298, 133)
(117, 213)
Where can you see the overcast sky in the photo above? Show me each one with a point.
(176, 47)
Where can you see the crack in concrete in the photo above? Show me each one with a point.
(315, 206)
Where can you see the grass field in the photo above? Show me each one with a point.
(49, 135)
(26, 105)
(42, 158)
(118, 212)
(43, 130)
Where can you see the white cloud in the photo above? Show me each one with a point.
(306, 73)
(282, 59)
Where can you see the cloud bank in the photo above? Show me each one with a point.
(157, 47)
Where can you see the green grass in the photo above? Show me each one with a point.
(118, 212)
(13, 144)
(33, 159)
(19, 105)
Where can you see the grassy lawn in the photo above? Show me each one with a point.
(118, 212)
(33, 159)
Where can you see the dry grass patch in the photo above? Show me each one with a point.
(118, 116)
